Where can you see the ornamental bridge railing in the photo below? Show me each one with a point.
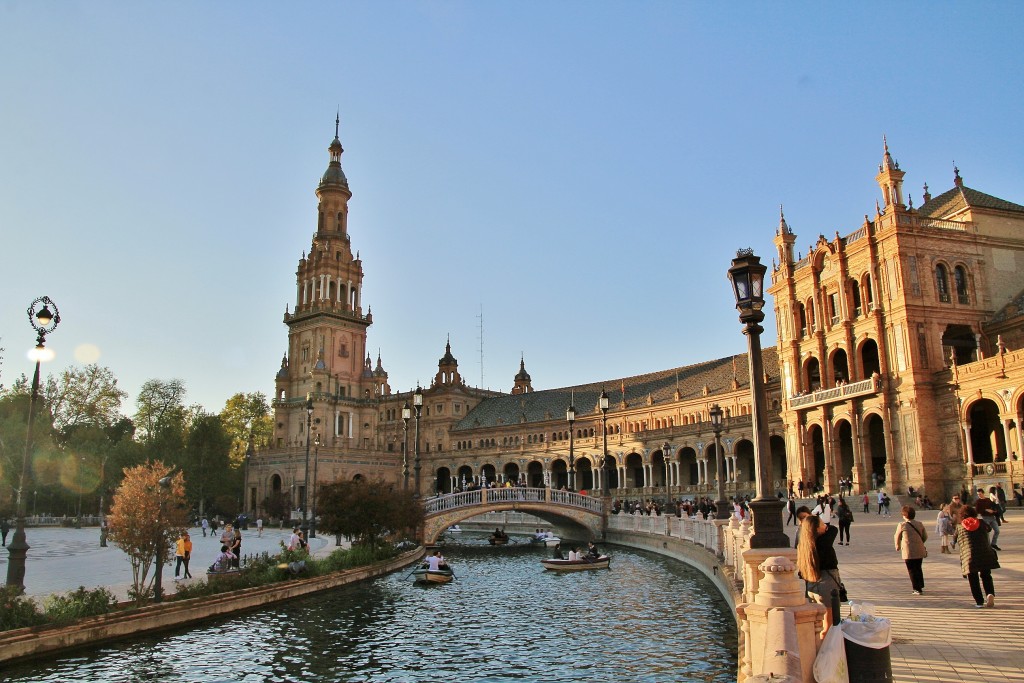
(488, 497)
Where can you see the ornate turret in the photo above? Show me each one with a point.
(784, 241)
(890, 179)
(447, 368)
(380, 379)
(523, 384)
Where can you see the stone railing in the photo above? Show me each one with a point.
(864, 387)
(516, 494)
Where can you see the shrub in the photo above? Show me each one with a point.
(18, 611)
(65, 608)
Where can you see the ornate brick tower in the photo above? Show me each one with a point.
(326, 361)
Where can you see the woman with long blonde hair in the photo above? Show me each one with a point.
(816, 559)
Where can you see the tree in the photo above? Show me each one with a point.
(277, 505)
(160, 403)
(205, 459)
(87, 396)
(368, 512)
(245, 417)
(145, 517)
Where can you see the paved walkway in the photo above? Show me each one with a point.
(940, 636)
(64, 559)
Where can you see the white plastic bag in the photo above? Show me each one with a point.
(830, 664)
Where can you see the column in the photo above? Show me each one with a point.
(305, 291)
(970, 448)
(1006, 439)
(339, 290)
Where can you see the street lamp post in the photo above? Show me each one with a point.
(316, 461)
(603, 404)
(406, 416)
(44, 322)
(747, 276)
(305, 488)
(161, 545)
(666, 452)
(716, 413)
(250, 451)
(417, 402)
(570, 416)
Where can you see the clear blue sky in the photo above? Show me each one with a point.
(584, 171)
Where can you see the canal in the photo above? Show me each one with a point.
(648, 618)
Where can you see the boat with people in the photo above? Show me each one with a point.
(545, 539)
(455, 529)
(430, 576)
(433, 570)
(499, 537)
(600, 562)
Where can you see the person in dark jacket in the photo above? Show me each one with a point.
(816, 559)
(977, 559)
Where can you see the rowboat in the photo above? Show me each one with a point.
(497, 540)
(427, 576)
(549, 541)
(455, 529)
(602, 562)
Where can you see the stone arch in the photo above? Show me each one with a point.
(584, 474)
(559, 473)
(843, 431)
(870, 361)
(812, 373)
(743, 449)
(634, 467)
(780, 464)
(988, 444)
(657, 468)
(840, 366)
(511, 472)
(464, 476)
(443, 480)
(488, 474)
(960, 342)
(275, 483)
(535, 474)
(816, 450)
(688, 466)
(876, 457)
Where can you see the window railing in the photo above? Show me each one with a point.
(867, 386)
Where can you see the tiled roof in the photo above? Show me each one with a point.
(550, 404)
(961, 197)
(1013, 309)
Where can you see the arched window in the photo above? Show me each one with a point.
(855, 295)
(960, 282)
(942, 283)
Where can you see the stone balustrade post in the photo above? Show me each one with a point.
(782, 630)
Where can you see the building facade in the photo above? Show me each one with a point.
(893, 368)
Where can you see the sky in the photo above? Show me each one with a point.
(581, 173)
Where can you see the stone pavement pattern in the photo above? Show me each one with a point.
(64, 559)
(940, 636)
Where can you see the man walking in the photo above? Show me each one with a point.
(5, 528)
(987, 511)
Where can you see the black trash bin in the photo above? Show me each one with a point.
(868, 664)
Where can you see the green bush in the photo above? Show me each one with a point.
(18, 611)
(65, 608)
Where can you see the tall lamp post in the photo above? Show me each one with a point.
(406, 416)
(43, 321)
(305, 488)
(721, 505)
(570, 416)
(316, 461)
(417, 402)
(747, 276)
(603, 404)
(161, 546)
(250, 451)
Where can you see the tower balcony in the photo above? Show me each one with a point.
(866, 387)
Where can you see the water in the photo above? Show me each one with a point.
(503, 619)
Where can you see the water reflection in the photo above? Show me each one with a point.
(502, 619)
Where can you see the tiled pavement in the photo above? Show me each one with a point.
(940, 636)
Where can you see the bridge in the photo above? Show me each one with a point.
(583, 516)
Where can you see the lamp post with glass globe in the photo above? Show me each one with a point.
(305, 488)
(406, 416)
(570, 416)
(747, 276)
(607, 473)
(43, 321)
(721, 505)
(316, 461)
(417, 402)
